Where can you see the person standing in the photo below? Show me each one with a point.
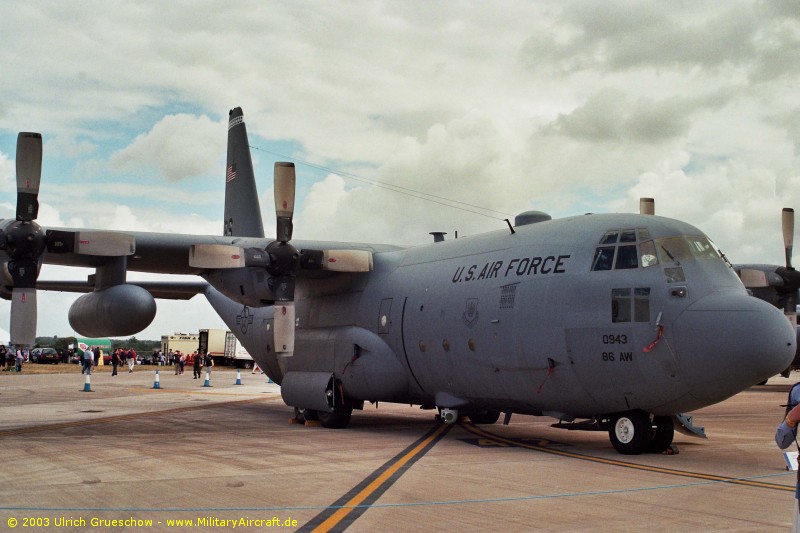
(88, 361)
(209, 362)
(20, 360)
(176, 358)
(3, 357)
(131, 360)
(785, 435)
(196, 360)
(114, 361)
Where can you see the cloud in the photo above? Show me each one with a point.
(565, 107)
(178, 147)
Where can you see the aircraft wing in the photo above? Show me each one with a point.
(168, 290)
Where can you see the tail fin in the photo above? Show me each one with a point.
(242, 210)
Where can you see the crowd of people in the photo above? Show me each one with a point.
(195, 359)
(10, 358)
(119, 357)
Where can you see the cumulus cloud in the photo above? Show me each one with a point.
(178, 147)
(565, 107)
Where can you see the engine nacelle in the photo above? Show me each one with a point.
(116, 311)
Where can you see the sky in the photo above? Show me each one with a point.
(474, 111)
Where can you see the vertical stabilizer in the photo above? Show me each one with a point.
(242, 210)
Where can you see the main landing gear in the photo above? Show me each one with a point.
(336, 419)
(635, 432)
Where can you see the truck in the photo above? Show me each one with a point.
(212, 341)
(104, 344)
(235, 354)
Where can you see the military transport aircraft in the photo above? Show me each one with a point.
(614, 322)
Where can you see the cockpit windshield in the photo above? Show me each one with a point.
(620, 249)
(687, 248)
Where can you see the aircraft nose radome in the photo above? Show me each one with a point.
(728, 341)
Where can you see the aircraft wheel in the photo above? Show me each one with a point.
(631, 432)
(337, 419)
(663, 433)
(484, 417)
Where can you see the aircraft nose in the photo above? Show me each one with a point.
(728, 341)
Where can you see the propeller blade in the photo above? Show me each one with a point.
(284, 199)
(96, 243)
(29, 174)
(787, 225)
(214, 256)
(647, 206)
(23, 316)
(283, 319)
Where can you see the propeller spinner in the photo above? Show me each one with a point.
(24, 240)
(281, 259)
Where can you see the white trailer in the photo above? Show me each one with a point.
(235, 354)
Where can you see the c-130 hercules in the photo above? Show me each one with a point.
(602, 321)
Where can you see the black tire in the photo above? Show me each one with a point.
(663, 433)
(339, 418)
(484, 417)
(631, 432)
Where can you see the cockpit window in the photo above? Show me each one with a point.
(618, 250)
(627, 257)
(702, 248)
(687, 248)
(628, 235)
(647, 253)
(603, 258)
(610, 237)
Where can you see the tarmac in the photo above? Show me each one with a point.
(126, 456)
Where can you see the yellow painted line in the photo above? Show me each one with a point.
(659, 470)
(356, 500)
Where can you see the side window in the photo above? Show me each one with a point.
(641, 304)
(620, 305)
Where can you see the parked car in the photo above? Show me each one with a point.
(45, 355)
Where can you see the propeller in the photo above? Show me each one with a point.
(791, 278)
(24, 241)
(281, 259)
